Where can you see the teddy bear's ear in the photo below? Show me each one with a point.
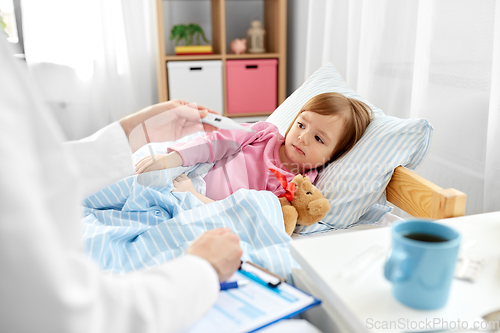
(298, 180)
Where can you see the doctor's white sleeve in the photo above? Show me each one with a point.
(47, 283)
(103, 158)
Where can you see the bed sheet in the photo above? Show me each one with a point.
(385, 221)
(139, 222)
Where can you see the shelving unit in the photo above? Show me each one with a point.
(274, 20)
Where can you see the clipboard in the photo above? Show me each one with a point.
(254, 306)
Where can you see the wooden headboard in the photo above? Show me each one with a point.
(420, 198)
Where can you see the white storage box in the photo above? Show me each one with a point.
(196, 81)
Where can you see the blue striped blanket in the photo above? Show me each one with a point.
(138, 222)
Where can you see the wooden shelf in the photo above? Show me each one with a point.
(274, 17)
(193, 57)
(222, 56)
(252, 56)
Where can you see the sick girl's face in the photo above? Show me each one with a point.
(311, 141)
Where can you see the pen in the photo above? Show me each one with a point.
(232, 284)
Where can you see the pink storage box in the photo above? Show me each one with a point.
(251, 85)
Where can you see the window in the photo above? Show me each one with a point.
(11, 23)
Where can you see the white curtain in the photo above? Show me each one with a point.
(94, 60)
(434, 59)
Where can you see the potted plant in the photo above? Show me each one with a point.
(187, 33)
(2, 23)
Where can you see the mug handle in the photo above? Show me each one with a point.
(393, 270)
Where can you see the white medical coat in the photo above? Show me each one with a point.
(47, 284)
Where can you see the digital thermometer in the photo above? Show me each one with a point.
(224, 123)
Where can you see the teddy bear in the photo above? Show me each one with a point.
(302, 204)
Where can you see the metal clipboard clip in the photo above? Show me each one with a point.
(260, 274)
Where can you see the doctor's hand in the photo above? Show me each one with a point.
(166, 121)
(221, 248)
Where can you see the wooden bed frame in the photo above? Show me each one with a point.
(421, 198)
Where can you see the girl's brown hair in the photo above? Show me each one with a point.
(355, 114)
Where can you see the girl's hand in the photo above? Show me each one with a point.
(183, 184)
(151, 163)
(158, 162)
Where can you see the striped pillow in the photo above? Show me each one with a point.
(355, 184)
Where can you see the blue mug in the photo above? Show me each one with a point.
(422, 263)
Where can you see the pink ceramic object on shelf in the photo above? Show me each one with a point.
(238, 46)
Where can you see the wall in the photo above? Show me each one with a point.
(297, 20)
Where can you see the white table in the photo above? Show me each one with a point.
(364, 303)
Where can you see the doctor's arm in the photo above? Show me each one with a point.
(212, 147)
(105, 157)
(48, 283)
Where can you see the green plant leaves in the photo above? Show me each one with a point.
(187, 32)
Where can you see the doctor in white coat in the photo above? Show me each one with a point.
(47, 284)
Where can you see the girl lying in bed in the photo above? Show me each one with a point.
(325, 128)
(129, 226)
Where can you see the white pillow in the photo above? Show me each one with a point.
(355, 184)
